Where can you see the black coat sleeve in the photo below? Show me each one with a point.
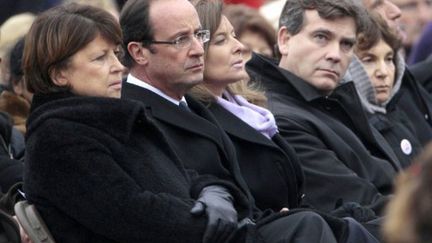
(78, 175)
(328, 180)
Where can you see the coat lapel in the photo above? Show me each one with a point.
(236, 127)
(168, 112)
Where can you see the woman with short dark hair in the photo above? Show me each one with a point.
(378, 84)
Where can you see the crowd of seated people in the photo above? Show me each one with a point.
(122, 125)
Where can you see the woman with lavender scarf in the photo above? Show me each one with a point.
(268, 164)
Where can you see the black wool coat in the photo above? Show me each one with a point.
(422, 74)
(416, 102)
(202, 144)
(195, 136)
(270, 167)
(344, 160)
(398, 131)
(99, 170)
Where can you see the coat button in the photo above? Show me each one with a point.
(426, 116)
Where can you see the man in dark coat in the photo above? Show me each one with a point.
(323, 121)
(165, 58)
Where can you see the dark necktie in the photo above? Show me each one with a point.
(184, 106)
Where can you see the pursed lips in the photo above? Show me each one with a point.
(336, 73)
(382, 88)
(115, 83)
(238, 63)
(194, 66)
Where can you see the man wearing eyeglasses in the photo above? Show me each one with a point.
(164, 52)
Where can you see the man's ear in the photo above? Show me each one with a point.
(283, 39)
(59, 77)
(138, 53)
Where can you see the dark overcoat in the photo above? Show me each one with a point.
(270, 167)
(202, 144)
(397, 129)
(416, 102)
(332, 138)
(99, 170)
(195, 136)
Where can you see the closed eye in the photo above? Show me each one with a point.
(101, 57)
(367, 59)
(389, 58)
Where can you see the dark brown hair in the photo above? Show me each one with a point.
(135, 25)
(59, 33)
(377, 30)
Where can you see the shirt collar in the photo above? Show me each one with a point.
(135, 81)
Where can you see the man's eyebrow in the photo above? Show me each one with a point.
(323, 31)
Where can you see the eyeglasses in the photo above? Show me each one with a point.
(185, 41)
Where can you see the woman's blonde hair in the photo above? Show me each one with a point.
(210, 14)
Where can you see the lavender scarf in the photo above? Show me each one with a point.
(257, 117)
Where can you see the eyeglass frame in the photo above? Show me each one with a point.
(176, 41)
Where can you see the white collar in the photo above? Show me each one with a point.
(135, 81)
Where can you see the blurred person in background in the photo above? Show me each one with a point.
(252, 30)
(422, 49)
(11, 153)
(415, 15)
(15, 99)
(10, 8)
(109, 5)
(409, 213)
(11, 31)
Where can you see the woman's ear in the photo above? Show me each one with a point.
(138, 52)
(60, 77)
